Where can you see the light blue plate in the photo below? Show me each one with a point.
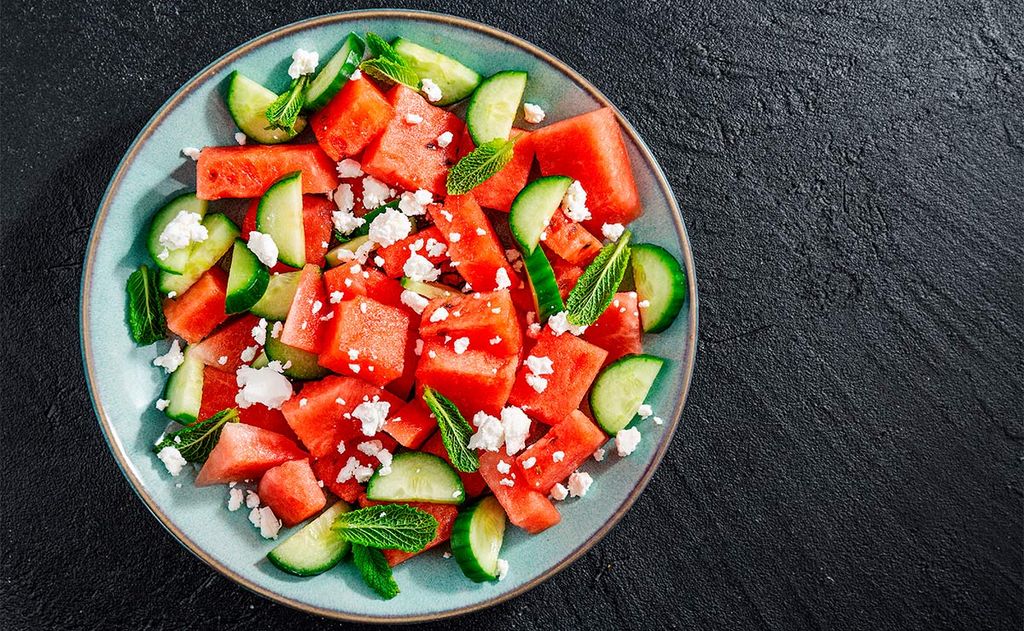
(124, 384)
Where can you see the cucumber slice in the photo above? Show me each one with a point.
(492, 108)
(429, 290)
(455, 80)
(417, 477)
(334, 255)
(247, 279)
(304, 365)
(533, 208)
(277, 299)
(546, 298)
(175, 260)
(221, 235)
(314, 549)
(476, 539)
(184, 390)
(280, 215)
(621, 388)
(335, 73)
(247, 103)
(261, 360)
(660, 281)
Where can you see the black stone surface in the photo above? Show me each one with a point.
(850, 172)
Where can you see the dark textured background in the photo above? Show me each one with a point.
(851, 454)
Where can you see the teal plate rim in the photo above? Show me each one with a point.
(118, 450)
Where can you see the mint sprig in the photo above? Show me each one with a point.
(479, 165)
(455, 430)
(145, 307)
(596, 288)
(379, 47)
(195, 442)
(374, 569)
(390, 71)
(283, 113)
(388, 526)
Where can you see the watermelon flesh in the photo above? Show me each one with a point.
(356, 115)
(290, 490)
(477, 257)
(228, 343)
(304, 324)
(219, 391)
(474, 380)
(529, 509)
(487, 319)
(577, 437)
(570, 240)
(196, 313)
(618, 329)
(328, 467)
(445, 515)
(366, 339)
(249, 170)
(498, 191)
(396, 254)
(411, 425)
(245, 452)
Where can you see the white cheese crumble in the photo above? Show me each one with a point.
(517, 427)
(574, 204)
(263, 246)
(414, 301)
(341, 447)
(558, 456)
(413, 119)
(235, 499)
(173, 460)
(336, 297)
(191, 152)
(501, 279)
(495, 340)
(503, 467)
(461, 345)
(161, 404)
(435, 247)
(252, 499)
(185, 229)
(658, 420)
(454, 237)
(262, 385)
(445, 139)
(420, 268)
(415, 204)
(490, 434)
(502, 569)
(241, 138)
(356, 75)
(612, 231)
(644, 410)
(170, 360)
(389, 227)
(259, 332)
(431, 90)
(439, 315)
(248, 353)
(349, 168)
(643, 304)
(626, 441)
(303, 62)
(559, 324)
(579, 483)
(540, 365)
(529, 462)
(559, 492)
(275, 331)
(373, 415)
(375, 193)
(418, 348)
(507, 482)
(344, 221)
(533, 331)
(532, 113)
(265, 519)
(599, 455)
(539, 384)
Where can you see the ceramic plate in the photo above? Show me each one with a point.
(124, 384)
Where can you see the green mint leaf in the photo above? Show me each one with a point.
(195, 442)
(596, 288)
(283, 113)
(388, 526)
(479, 165)
(379, 47)
(455, 430)
(374, 569)
(390, 71)
(145, 309)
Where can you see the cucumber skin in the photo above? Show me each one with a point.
(677, 286)
(405, 455)
(235, 101)
(519, 208)
(178, 385)
(242, 298)
(543, 285)
(353, 48)
(605, 423)
(297, 258)
(164, 216)
(281, 563)
(274, 304)
(461, 542)
(303, 364)
(428, 290)
(475, 132)
(410, 51)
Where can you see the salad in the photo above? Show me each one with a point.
(424, 316)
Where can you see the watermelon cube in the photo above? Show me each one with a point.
(618, 329)
(570, 240)
(498, 191)
(474, 380)
(445, 515)
(355, 116)
(471, 482)
(304, 325)
(366, 339)
(411, 425)
(577, 437)
(527, 508)
(291, 491)
(566, 275)
(328, 467)
(473, 245)
(396, 254)
(219, 391)
(249, 170)
(347, 280)
(227, 344)
(197, 312)
(487, 319)
(244, 452)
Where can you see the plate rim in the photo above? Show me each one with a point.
(117, 448)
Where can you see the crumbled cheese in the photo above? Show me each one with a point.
(172, 459)
(658, 420)
(185, 229)
(252, 499)
(626, 441)
(574, 204)
(275, 331)
(644, 410)
(375, 193)
(532, 113)
(415, 204)
(172, 294)
(539, 384)
(418, 348)
(517, 427)
(420, 268)
(336, 297)
(643, 304)
(355, 368)
(317, 306)
(461, 345)
(544, 235)
(161, 404)
(259, 332)
(502, 569)
(454, 237)
(447, 215)
(579, 484)
(599, 454)
(559, 323)
(431, 354)
(353, 354)
(414, 301)
(413, 119)
(447, 555)
(345, 199)
(540, 365)
(170, 360)
(490, 434)
(269, 524)
(356, 75)
(559, 492)
(385, 457)
(506, 482)
(558, 456)
(349, 168)
(248, 353)
(373, 415)
(529, 462)
(501, 279)
(495, 340)
(303, 62)
(191, 152)
(445, 139)
(533, 331)
(435, 247)
(370, 447)
(241, 138)
(302, 402)
(504, 467)
(440, 314)
(389, 227)
(431, 90)
(235, 499)
(263, 246)
(341, 447)
(262, 385)
(480, 232)
(612, 231)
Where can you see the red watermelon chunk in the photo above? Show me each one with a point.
(445, 515)
(407, 154)
(474, 380)
(411, 425)
(472, 482)
(249, 170)
(402, 385)
(476, 256)
(304, 325)
(500, 189)
(529, 509)
(618, 329)
(396, 254)
(197, 312)
(590, 148)
(355, 116)
(291, 491)
(366, 339)
(487, 319)
(577, 437)
(566, 276)
(345, 282)
(329, 466)
(228, 343)
(576, 364)
(316, 223)
(244, 452)
(219, 390)
(570, 240)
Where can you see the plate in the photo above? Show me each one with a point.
(124, 384)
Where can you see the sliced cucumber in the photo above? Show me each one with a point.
(280, 215)
(304, 365)
(492, 108)
(335, 73)
(661, 282)
(247, 103)
(184, 390)
(455, 80)
(533, 208)
(175, 260)
(334, 255)
(428, 290)
(314, 549)
(277, 299)
(221, 235)
(621, 388)
(261, 360)
(546, 297)
(417, 477)
(476, 539)
(247, 279)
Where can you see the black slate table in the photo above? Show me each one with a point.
(850, 173)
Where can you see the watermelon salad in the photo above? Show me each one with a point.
(403, 310)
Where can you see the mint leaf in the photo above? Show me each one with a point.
(479, 165)
(379, 47)
(388, 526)
(195, 442)
(145, 309)
(596, 288)
(374, 569)
(455, 430)
(283, 113)
(389, 71)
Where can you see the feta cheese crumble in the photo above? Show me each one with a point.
(658, 420)
(262, 385)
(502, 569)
(415, 204)
(413, 119)
(252, 499)
(191, 152)
(490, 434)
(626, 441)
(579, 483)
(559, 324)
(185, 229)
(504, 467)
(265, 519)
(612, 231)
(259, 332)
(539, 384)
(161, 404)
(170, 360)
(454, 237)
(501, 279)
(349, 168)
(540, 365)
(439, 315)
(420, 268)
(558, 456)
(461, 345)
(431, 90)
(445, 139)
(263, 246)
(241, 138)
(389, 227)
(275, 331)
(507, 482)
(529, 462)
(644, 410)
(574, 204)
(599, 454)
(414, 301)
(375, 193)
(532, 113)
(517, 427)
(373, 415)
(235, 499)
(173, 460)
(303, 62)
(559, 492)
